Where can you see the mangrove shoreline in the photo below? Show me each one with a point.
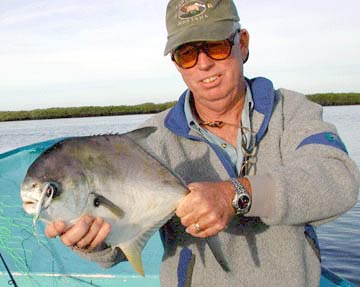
(329, 99)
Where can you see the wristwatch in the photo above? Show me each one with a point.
(242, 199)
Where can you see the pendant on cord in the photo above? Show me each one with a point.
(217, 124)
(212, 124)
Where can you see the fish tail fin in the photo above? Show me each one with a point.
(216, 250)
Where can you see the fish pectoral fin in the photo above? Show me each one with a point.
(98, 200)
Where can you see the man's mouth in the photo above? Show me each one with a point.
(210, 79)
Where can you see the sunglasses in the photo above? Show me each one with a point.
(186, 56)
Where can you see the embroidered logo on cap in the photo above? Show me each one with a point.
(191, 9)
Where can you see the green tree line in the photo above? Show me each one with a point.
(335, 99)
(89, 111)
(328, 99)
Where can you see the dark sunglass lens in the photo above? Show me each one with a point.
(219, 50)
(186, 56)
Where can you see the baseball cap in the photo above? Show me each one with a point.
(199, 20)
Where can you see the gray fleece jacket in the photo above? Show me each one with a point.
(303, 176)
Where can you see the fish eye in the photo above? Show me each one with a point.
(49, 191)
(96, 202)
(52, 190)
(34, 185)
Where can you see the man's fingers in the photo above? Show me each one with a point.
(188, 219)
(183, 207)
(101, 235)
(91, 234)
(203, 231)
(77, 231)
(55, 229)
(87, 233)
(188, 203)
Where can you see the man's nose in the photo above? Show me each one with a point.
(204, 61)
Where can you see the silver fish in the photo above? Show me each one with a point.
(110, 176)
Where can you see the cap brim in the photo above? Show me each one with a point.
(219, 31)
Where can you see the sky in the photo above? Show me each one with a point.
(61, 53)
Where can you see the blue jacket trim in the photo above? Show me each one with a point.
(176, 119)
(263, 97)
(185, 267)
(310, 234)
(326, 138)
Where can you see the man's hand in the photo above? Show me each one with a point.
(87, 233)
(207, 209)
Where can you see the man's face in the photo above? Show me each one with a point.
(212, 81)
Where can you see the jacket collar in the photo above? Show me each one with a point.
(263, 97)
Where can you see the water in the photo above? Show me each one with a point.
(339, 240)
(20, 133)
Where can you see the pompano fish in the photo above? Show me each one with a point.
(110, 176)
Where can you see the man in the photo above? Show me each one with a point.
(261, 165)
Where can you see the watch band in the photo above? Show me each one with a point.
(242, 199)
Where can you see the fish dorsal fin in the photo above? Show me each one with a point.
(132, 249)
(139, 135)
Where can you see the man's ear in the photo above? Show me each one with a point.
(244, 44)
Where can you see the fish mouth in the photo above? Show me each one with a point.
(34, 201)
(29, 205)
(30, 198)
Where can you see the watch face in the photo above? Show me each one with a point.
(244, 201)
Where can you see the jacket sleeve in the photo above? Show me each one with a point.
(316, 180)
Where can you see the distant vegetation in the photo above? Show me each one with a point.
(78, 112)
(147, 108)
(333, 99)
